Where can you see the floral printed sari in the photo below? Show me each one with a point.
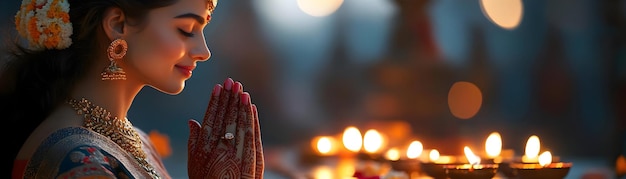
(77, 152)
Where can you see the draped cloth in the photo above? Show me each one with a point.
(76, 152)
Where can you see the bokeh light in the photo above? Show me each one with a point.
(434, 155)
(161, 143)
(372, 141)
(322, 173)
(393, 154)
(533, 145)
(493, 145)
(352, 139)
(325, 145)
(319, 8)
(415, 150)
(504, 13)
(464, 99)
(620, 165)
(545, 158)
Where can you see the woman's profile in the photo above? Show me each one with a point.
(71, 78)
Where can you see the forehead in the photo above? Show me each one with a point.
(199, 7)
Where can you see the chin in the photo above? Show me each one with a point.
(172, 89)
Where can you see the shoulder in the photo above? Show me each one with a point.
(89, 160)
(76, 151)
(62, 117)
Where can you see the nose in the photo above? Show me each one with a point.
(200, 51)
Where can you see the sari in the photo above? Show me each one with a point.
(77, 152)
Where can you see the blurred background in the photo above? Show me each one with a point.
(444, 72)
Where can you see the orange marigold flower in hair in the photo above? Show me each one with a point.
(45, 23)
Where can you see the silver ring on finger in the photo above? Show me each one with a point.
(228, 136)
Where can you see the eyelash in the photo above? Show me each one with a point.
(186, 34)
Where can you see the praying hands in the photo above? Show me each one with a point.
(228, 142)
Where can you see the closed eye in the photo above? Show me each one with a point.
(186, 34)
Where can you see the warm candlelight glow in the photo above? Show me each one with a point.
(544, 168)
(392, 154)
(415, 150)
(471, 157)
(504, 13)
(545, 158)
(434, 155)
(352, 139)
(620, 165)
(532, 149)
(322, 173)
(493, 145)
(464, 99)
(345, 168)
(372, 141)
(324, 145)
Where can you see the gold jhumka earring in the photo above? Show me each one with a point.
(116, 51)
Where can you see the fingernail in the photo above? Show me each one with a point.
(228, 84)
(240, 87)
(193, 123)
(236, 87)
(217, 90)
(245, 98)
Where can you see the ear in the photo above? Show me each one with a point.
(114, 23)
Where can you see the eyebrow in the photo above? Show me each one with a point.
(196, 17)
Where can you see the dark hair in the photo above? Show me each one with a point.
(33, 83)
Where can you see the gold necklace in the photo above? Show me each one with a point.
(119, 131)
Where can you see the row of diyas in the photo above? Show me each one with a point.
(430, 162)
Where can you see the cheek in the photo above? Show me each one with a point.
(159, 44)
(156, 50)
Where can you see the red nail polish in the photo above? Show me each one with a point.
(236, 87)
(245, 98)
(217, 90)
(228, 84)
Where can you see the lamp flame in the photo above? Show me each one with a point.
(493, 145)
(545, 158)
(324, 145)
(415, 150)
(532, 147)
(322, 172)
(352, 139)
(393, 154)
(471, 158)
(372, 141)
(434, 155)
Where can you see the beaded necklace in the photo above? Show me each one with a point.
(119, 131)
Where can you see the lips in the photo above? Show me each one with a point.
(185, 70)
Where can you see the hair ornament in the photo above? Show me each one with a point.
(45, 23)
(211, 5)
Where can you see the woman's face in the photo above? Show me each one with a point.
(164, 52)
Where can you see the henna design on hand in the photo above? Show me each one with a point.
(260, 160)
(210, 154)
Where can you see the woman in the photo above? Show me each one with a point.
(69, 90)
